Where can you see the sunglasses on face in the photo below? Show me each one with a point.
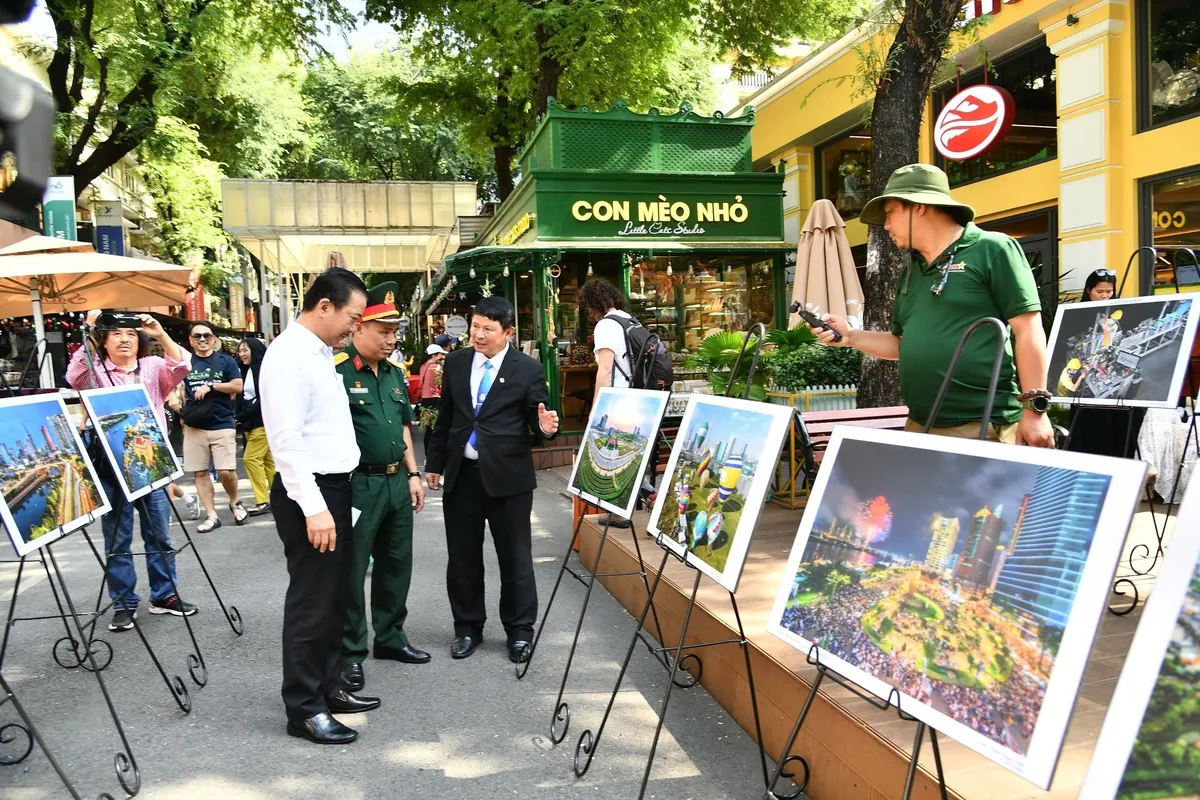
(202, 337)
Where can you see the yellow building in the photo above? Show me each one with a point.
(1103, 156)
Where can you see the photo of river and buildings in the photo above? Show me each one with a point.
(47, 484)
(135, 442)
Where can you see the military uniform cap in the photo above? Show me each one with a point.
(381, 303)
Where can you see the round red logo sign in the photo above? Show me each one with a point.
(973, 120)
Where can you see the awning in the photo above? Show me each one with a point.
(382, 226)
(495, 258)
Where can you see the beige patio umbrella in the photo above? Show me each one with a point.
(826, 278)
(40, 273)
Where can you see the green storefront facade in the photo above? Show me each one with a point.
(665, 206)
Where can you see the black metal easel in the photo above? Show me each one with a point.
(893, 698)
(124, 763)
(585, 748)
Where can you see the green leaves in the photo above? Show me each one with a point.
(815, 365)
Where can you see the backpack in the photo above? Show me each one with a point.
(648, 358)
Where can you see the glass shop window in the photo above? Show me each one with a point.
(1168, 61)
(844, 172)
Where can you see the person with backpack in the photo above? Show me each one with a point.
(622, 346)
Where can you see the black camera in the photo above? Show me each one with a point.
(813, 320)
(112, 320)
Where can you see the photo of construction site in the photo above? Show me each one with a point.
(1121, 352)
(47, 483)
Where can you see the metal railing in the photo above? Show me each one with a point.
(817, 398)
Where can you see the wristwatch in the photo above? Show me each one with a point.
(1036, 400)
(414, 474)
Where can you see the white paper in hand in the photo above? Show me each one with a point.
(354, 515)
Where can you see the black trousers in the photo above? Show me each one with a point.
(314, 611)
(466, 508)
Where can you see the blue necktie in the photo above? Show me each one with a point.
(485, 385)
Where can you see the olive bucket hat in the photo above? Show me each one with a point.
(923, 184)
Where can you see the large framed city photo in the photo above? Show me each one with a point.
(48, 487)
(621, 434)
(1149, 747)
(969, 576)
(1131, 352)
(134, 440)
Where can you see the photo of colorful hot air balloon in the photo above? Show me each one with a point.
(716, 482)
(621, 433)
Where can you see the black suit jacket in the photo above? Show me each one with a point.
(506, 428)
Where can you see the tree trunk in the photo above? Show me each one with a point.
(549, 71)
(914, 56)
(503, 154)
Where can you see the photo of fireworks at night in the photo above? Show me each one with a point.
(620, 433)
(716, 481)
(950, 577)
(48, 485)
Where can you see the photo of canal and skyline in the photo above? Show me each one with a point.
(136, 444)
(951, 577)
(716, 482)
(47, 484)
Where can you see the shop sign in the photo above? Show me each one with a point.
(58, 209)
(237, 305)
(973, 9)
(456, 326)
(518, 230)
(974, 120)
(662, 215)
(1165, 220)
(196, 304)
(110, 229)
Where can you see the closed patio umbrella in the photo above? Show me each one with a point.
(57, 275)
(826, 278)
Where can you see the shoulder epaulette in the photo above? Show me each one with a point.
(340, 358)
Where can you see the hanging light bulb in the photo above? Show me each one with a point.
(669, 267)
(472, 272)
(506, 270)
(589, 265)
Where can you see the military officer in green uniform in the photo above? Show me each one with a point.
(387, 489)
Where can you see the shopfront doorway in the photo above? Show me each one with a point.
(1037, 233)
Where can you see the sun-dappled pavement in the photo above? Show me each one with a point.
(446, 729)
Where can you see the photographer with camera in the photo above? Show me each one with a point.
(118, 355)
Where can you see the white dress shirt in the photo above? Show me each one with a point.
(477, 371)
(306, 415)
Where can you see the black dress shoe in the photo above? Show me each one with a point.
(464, 646)
(407, 654)
(351, 677)
(322, 729)
(343, 702)
(519, 651)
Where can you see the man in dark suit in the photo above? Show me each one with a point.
(493, 397)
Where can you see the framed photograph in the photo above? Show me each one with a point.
(621, 433)
(1149, 747)
(1131, 352)
(969, 576)
(137, 447)
(716, 482)
(48, 487)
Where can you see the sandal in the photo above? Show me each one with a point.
(210, 524)
(260, 509)
(234, 508)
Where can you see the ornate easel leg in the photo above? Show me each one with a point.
(772, 793)
(744, 643)
(124, 763)
(585, 748)
(522, 666)
(662, 711)
(232, 615)
(914, 762)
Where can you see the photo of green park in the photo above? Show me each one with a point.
(1165, 763)
(620, 434)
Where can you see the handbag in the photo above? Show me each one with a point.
(197, 413)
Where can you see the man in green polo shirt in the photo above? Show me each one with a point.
(387, 489)
(958, 275)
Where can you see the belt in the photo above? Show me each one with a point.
(332, 476)
(380, 469)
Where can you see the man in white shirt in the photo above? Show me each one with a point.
(311, 434)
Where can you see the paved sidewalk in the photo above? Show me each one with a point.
(446, 729)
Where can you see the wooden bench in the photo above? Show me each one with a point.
(809, 438)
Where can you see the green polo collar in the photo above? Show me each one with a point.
(969, 236)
